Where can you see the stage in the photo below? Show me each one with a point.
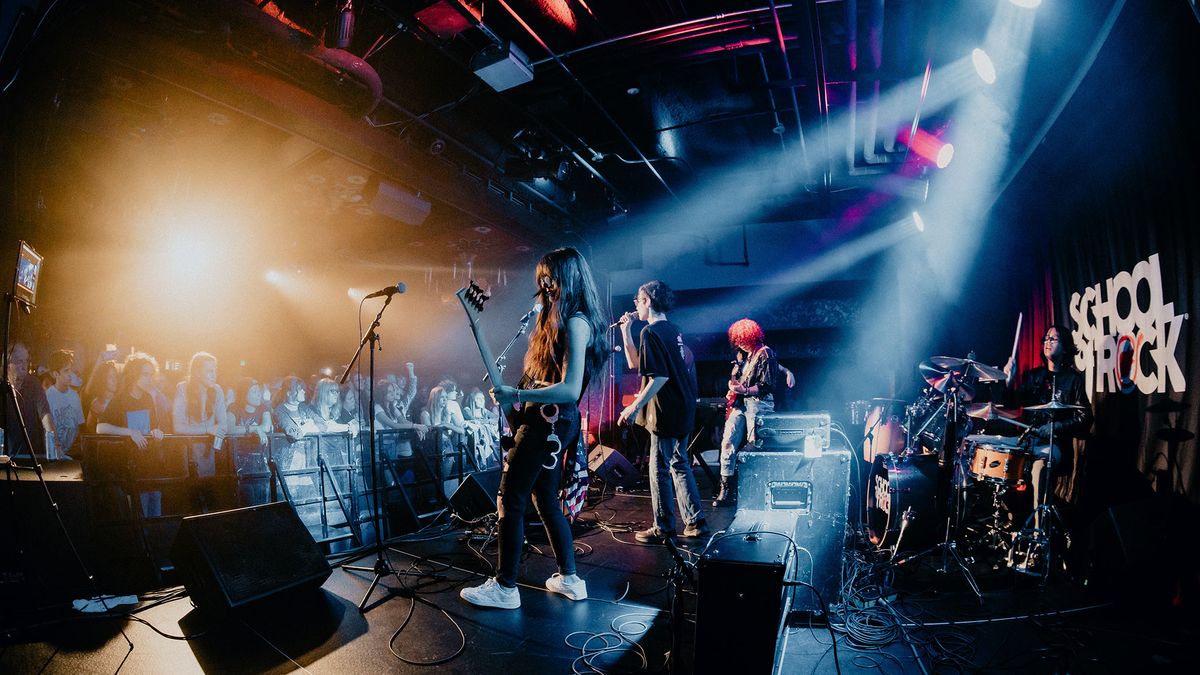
(926, 620)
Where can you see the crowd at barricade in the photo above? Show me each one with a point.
(133, 398)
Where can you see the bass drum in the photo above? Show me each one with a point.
(902, 498)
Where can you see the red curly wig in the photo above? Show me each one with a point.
(746, 335)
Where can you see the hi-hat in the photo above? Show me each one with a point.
(990, 411)
(1054, 405)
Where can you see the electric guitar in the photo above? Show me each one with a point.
(472, 299)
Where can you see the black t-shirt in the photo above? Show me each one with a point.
(139, 414)
(672, 411)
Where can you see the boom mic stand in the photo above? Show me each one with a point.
(383, 566)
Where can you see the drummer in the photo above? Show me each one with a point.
(1040, 385)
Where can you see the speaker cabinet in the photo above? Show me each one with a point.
(807, 496)
(476, 496)
(739, 603)
(229, 559)
(611, 467)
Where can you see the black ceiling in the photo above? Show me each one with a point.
(633, 105)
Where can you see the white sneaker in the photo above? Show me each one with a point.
(573, 587)
(492, 594)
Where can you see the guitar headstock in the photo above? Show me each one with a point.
(472, 298)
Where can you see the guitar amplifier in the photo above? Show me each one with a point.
(807, 499)
(740, 602)
(792, 432)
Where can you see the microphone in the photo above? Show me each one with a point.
(388, 292)
(631, 315)
(537, 308)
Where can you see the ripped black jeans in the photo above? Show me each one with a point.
(525, 475)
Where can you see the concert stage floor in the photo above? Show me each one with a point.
(1019, 626)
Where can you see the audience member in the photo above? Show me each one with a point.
(99, 392)
(293, 418)
(199, 403)
(252, 416)
(65, 407)
(31, 401)
(133, 413)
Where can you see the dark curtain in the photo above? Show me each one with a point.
(1122, 180)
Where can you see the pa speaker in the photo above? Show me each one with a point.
(612, 467)
(810, 497)
(476, 496)
(229, 559)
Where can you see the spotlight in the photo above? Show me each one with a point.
(983, 65)
(1027, 4)
(273, 276)
(945, 155)
(927, 146)
(918, 221)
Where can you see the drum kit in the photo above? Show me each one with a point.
(931, 458)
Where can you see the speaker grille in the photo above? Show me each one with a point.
(231, 558)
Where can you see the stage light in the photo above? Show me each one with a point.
(1027, 4)
(983, 65)
(355, 294)
(927, 146)
(918, 221)
(273, 277)
(945, 155)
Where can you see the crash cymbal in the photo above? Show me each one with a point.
(1172, 435)
(990, 411)
(984, 372)
(943, 373)
(1165, 406)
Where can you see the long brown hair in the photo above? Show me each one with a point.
(198, 393)
(565, 288)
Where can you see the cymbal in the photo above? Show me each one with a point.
(1172, 435)
(1054, 405)
(990, 411)
(945, 373)
(1166, 405)
(938, 366)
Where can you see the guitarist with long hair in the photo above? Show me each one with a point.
(567, 347)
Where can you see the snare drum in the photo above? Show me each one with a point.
(998, 460)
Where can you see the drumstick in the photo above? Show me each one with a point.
(1017, 337)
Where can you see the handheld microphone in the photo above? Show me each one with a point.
(388, 292)
(631, 315)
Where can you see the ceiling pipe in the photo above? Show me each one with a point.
(587, 92)
(787, 68)
(814, 27)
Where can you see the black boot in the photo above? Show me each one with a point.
(727, 495)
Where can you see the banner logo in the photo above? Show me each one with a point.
(1127, 335)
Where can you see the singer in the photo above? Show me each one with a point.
(567, 348)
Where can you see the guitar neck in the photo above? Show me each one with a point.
(485, 352)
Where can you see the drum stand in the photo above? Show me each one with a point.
(1035, 540)
(948, 546)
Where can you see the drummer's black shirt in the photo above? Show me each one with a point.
(1038, 386)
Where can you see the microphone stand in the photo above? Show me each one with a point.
(9, 393)
(500, 367)
(383, 566)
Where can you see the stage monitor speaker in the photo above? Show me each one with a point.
(476, 496)
(612, 467)
(229, 559)
(813, 495)
(739, 603)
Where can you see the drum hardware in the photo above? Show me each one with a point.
(1032, 550)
